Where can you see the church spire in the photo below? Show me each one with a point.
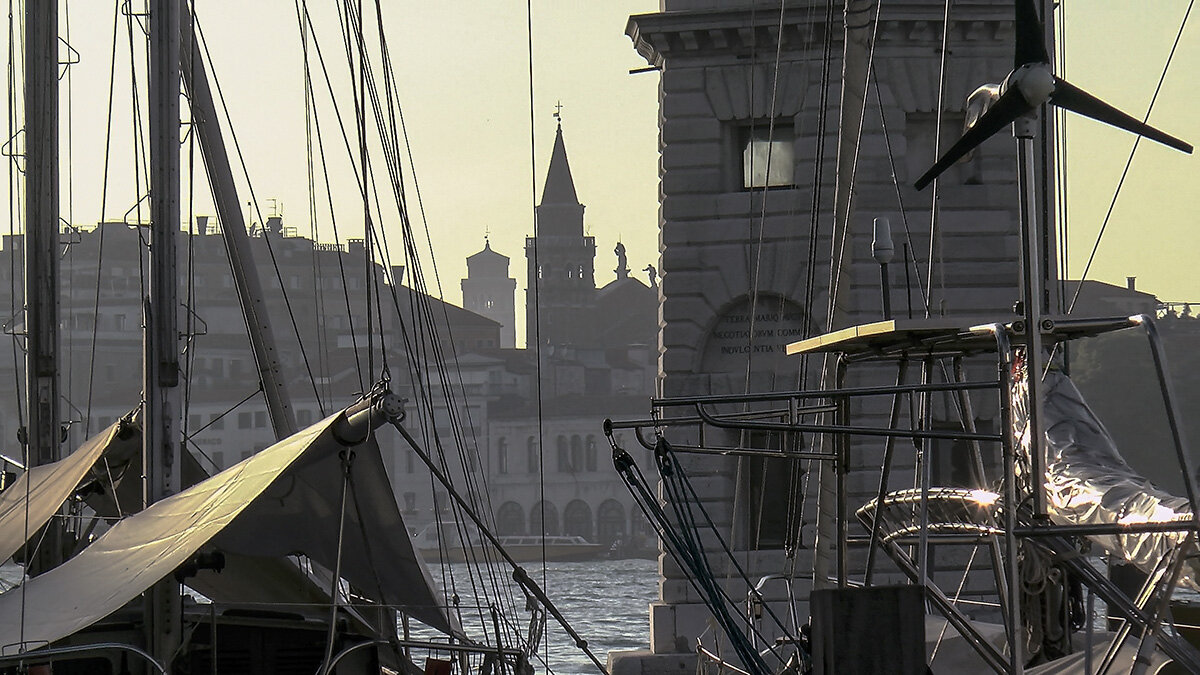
(559, 187)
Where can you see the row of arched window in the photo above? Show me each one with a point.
(608, 525)
(573, 454)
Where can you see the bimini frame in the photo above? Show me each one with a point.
(929, 342)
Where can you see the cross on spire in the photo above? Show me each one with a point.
(558, 106)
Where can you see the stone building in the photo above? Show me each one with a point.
(748, 136)
(490, 292)
(539, 441)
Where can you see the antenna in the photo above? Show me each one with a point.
(883, 251)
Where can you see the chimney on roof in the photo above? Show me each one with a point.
(201, 225)
(1131, 283)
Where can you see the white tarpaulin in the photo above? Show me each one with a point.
(35, 497)
(144, 548)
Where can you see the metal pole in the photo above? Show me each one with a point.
(889, 447)
(883, 251)
(43, 432)
(1031, 300)
(885, 286)
(842, 467)
(1012, 615)
(968, 414)
(925, 477)
(161, 438)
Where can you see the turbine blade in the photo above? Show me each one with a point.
(1070, 97)
(1031, 40)
(1007, 108)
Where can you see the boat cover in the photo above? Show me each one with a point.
(36, 495)
(299, 514)
(146, 547)
(1088, 482)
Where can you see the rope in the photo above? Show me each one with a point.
(684, 544)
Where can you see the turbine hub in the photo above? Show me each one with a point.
(1034, 81)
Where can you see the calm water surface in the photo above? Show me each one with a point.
(605, 601)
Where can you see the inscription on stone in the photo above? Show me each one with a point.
(766, 330)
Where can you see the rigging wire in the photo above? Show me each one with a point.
(191, 300)
(937, 145)
(421, 307)
(70, 220)
(318, 278)
(305, 20)
(1129, 161)
(757, 253)
(534, 282)
(468, 453)
(923, 290)
(100, 237)
(15, 213)
(283, 291)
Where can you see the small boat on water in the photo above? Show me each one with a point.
(441, 542)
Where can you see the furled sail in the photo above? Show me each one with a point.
(35, 497)
(1088, 482)
(144, 548)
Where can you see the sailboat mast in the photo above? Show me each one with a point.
(44, 433)
(161, 438)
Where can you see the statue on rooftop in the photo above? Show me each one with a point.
(622, 263)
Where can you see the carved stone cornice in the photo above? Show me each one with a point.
(759, 30)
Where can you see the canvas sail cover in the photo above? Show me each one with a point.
(1088, 482)
(146, 547)
(300, 513)
(35, 497)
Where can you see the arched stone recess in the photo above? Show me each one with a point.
(577, 519)
(754, 333)
(547, 512)
(510, 519)
(610, 522)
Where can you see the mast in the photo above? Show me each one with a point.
(44, 431)
(161, 411)
(233, 230)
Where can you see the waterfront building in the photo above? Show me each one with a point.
(747, 125)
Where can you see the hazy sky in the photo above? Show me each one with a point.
(463, 83)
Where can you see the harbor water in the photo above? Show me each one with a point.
(605, 601)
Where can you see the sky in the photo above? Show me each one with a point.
(463, 83)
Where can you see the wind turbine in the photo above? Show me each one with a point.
(1031, 84)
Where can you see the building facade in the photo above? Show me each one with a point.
(749, 98)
